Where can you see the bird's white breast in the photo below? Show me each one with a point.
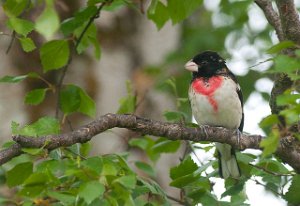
(227, 111)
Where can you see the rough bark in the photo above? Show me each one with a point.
(271, 16)
(286, 23)
(172, 131)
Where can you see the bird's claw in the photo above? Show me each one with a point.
(238, 135)
(204, 129)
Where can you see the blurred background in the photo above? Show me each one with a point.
(133, 49)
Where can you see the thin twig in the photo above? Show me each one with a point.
(176, 200)
(77, 43)
(266, 186)
(269, 171)
(76, 154)
(13, 36)
(259, 63)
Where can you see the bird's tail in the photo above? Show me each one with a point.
(228, 166)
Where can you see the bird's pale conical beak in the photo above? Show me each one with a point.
(191, 66)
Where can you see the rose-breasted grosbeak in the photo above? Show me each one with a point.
(216, 100)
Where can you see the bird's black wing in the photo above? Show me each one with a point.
(240, 94)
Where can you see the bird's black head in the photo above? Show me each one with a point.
(206, 64)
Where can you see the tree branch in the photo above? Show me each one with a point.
(289, 20)
(172, 131)
(9, 153)
(281, 84)
(271, 16)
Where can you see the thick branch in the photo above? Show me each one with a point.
(9, 153)
(289, 20)
(287, 26)
(281, 84)
(171, 131)
(272, 16)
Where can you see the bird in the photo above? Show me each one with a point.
(216, 100)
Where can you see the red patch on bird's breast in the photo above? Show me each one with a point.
(207, 87)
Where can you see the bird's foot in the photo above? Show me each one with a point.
(238, 135)
(205, 131)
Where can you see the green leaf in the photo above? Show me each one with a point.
(109, 168)
(89, 191)
(94, 163)
(63, 198)
(21, 26)
(44, 126)
(128, 103)
(37, 178)
(174, 116)
(234, 189)
(270, 143)
(292, 196)
(35, 96)
(199, 189)
(179, 10)
(245, 157)
(291, 114)
(87, 104)
(33, 75)
(14, 8)
(70, 99)
(18, 174)
(85, 148)
(4, 201)
(116, 4)
(145, 168)
(176, 10)
(89, 38)
(164, 145)
(27, 44)
(152, 7)
(13, 79)
(273, 165)
(280, 46)
(158, 13)
(14, 127)
(8, 144)
(74, 99)
(186, 167)
(48, 22)
(285, 63)
(33, 151)
(141, 143)
(128, 181)
(97, 49)
(185, 180)
(68, 26)
(31, 191)
(268, 122)
(93, 2)
(54, 54)
(285, 99)
(191, 6)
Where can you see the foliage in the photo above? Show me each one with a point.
(69, 176)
